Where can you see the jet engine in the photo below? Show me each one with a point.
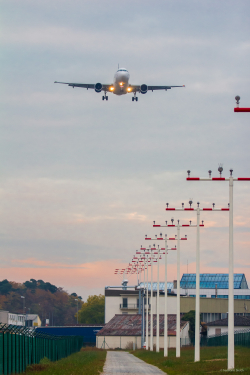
(144, 89)
(98, 87)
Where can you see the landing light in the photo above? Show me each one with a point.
(121, 83)
(129, 89)
(111, 88)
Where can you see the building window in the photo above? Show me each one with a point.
(218, 331)
(125, 303)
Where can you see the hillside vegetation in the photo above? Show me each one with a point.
(42, 298)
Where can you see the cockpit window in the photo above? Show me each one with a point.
(121, 70)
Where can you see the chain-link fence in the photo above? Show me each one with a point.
(241, 338)
(22, 346)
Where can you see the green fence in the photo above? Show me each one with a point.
(241, 338)
(22, 346)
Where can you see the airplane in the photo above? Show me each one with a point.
(120, 86)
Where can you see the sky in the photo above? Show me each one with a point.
(83, 179)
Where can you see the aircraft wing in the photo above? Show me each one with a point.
(85, 85)
(152, 88)
(137, 88)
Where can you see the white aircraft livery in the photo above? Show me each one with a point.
(120, 86)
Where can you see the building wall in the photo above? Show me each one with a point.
(112, 305)
(112, 342)
(208, 293)
(214, 305)
(4, 316)
(10, 318)
(211, 329)
(209, 307)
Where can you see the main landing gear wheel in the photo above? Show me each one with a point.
(134, 98)
(105, 97)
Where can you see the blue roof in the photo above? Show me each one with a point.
(210, 280)
(161, 286)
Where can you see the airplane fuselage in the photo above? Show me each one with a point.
(121, 82)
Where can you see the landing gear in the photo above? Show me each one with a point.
(135, 98)
(105, 97)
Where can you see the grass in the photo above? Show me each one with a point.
(213, 361)
(89, 361)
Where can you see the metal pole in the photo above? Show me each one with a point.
(178, 323)
(151, 315)
(230, 363)
(147, 310)
(158, 307)
(143, 304)
(140, 312)
(166, 304)
(197, 296)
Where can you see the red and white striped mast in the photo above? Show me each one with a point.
(166, 292)
(197, 296)
(158, 252)
(178, 278)
(230, 360)
(153, 252)
(153, 260)
(147, 260)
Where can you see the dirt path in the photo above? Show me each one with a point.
(120, 363)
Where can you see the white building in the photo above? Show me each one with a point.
(219, 327)
(126, 301)
(9, 318)
(124, 330)
(29, 320)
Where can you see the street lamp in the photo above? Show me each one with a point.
(160, 238)
(76, 299)
(230, 361)
(237, 109)
(197, 296)
(23, 307)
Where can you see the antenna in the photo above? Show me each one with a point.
(118, 65)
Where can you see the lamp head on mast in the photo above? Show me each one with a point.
(220, 169)
(237, 98)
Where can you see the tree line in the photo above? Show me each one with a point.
(50, 302)
(42, 298)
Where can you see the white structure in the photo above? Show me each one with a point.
(9, 318)
(33, 320)
(221, 326)
(124, 331)
(29, 320)
(120, 301)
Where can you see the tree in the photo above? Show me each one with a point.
(42, 298)
(5, 287)
(92, 311)
(190, 317)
